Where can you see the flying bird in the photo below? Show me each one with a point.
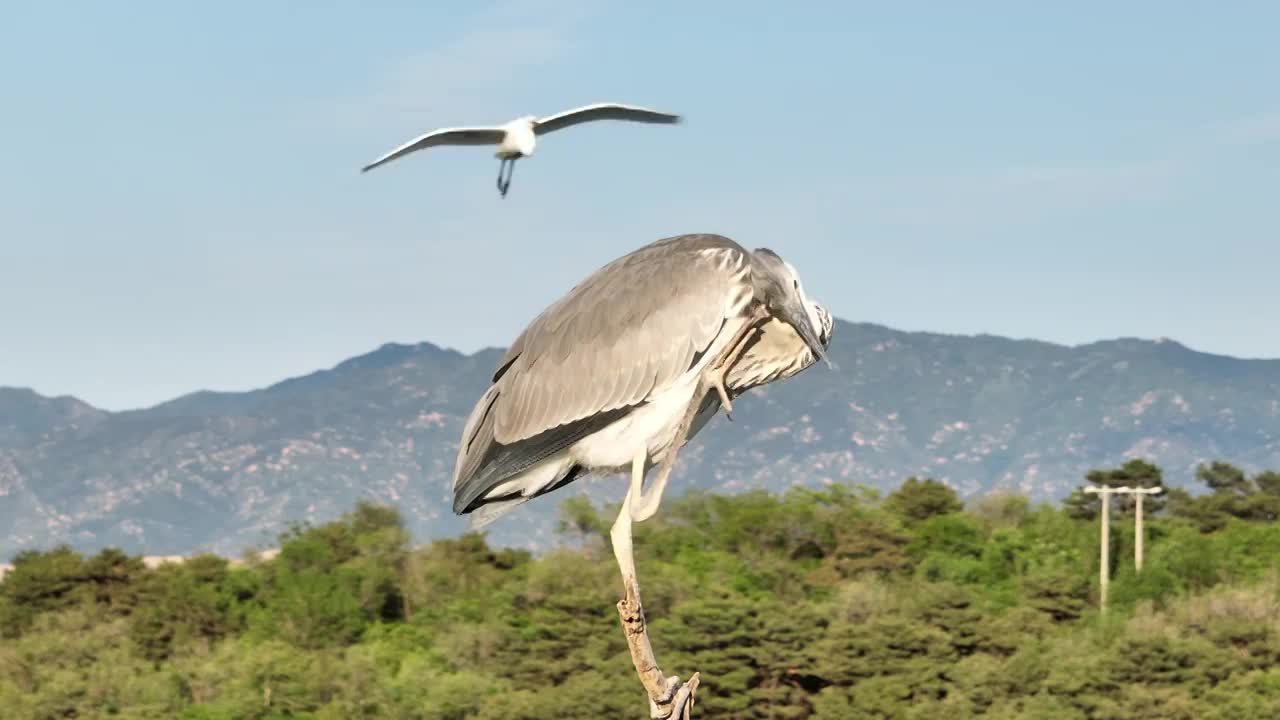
(615, 377)
(519, 137)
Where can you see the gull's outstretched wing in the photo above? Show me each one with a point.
(444, 136)
(602, 111)
(631, 330)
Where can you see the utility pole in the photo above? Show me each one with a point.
(1139, 494)
(1104, 560)
(1105, 547)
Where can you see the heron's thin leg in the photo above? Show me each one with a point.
(644, 506)
(720, 370)
(620, 534)
(668, 698)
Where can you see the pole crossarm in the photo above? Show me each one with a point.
(1126, 490)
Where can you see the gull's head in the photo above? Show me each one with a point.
(525, 122)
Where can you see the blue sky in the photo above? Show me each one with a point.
(181, 207)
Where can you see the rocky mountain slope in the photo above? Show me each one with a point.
(224, 471)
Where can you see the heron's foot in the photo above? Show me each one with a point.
(678, 703)
(717, 381)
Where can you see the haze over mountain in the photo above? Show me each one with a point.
(225, 471)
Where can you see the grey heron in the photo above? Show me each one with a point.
(519, 137)
(618, 374)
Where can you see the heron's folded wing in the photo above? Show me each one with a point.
(602, 111)
(445, 136)
(629, 330)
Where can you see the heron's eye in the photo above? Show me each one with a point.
(795, 284)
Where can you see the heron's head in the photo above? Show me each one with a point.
(778, 286)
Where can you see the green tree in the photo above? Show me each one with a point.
(39, 582)
(190, 606)
(1224, 479)
(1061, 594)
(1232, 495)
(113, 577)
(808, 604)
(1265, 503)
(1268, 482)
(1134, 473)
(868, 545)
(918, 500)
(580, 520)
(1001, 510)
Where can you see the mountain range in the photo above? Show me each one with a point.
(223, 472)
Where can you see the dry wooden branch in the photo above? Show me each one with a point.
(669, 699)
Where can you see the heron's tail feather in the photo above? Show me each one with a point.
(490, 511)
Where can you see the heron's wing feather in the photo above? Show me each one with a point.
(602, 111)
(494, 509)
(630, 329)
(444, 136)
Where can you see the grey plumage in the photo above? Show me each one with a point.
(604, 362)
(639, 319)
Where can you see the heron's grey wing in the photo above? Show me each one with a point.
(445, 136)
(602, 111)
(632, 327)
(483, 463)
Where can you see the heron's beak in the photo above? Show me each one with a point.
(799, 319)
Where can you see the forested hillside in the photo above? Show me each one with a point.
(830, 603)
(219, 472)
